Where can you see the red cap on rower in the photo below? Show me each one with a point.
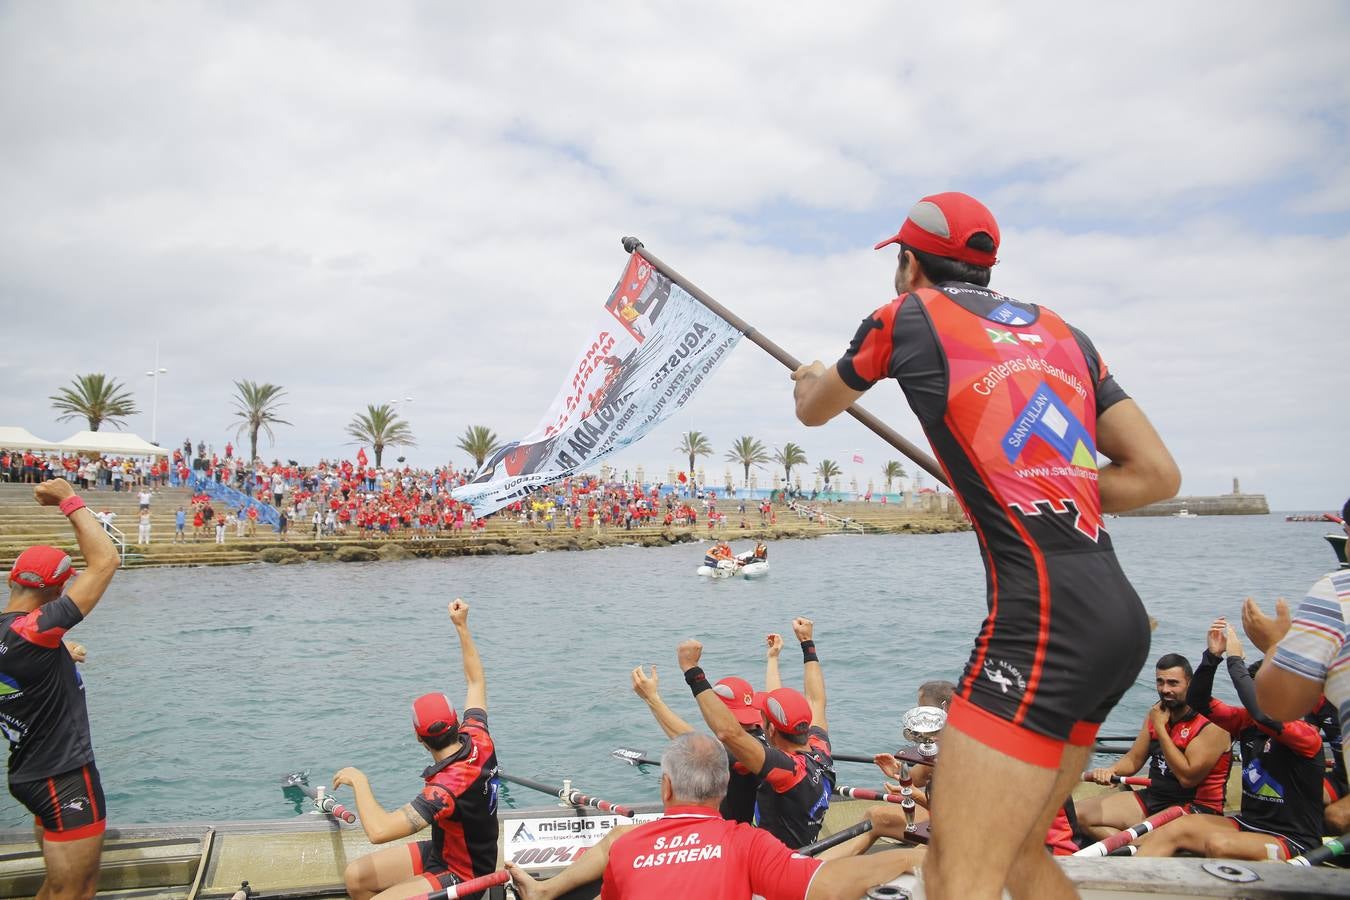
(739, 697)
(941, 224)
(41, 567)
(788, 710)
(434, 715)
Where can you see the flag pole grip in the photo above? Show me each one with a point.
(871, 422)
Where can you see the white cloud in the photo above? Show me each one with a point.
(428, 201)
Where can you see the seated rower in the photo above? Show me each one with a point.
(1189, 758)
(692, 852)
(1281, 777)
(459, 799)
(738, 805)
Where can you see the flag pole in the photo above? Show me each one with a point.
(878, 427)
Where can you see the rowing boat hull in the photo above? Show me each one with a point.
(304, 857)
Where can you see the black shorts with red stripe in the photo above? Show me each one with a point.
(68, 807)
(1039, 678)
(427, 863)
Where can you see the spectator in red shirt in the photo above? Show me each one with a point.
(691, 851)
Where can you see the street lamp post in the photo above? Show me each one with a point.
(154, 403)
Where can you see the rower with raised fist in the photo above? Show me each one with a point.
(42, 702)
(458, 798)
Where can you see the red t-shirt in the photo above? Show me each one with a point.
(692, 851)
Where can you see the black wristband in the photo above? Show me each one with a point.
(697, 681)
(809, 652)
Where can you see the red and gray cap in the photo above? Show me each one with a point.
(434, 715)
(788, 710)
(941, 224)
(740, 698)
(41, 567)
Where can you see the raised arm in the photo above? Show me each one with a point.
(773, 679)
(1141, 470)
(747, 749)
(813, 676)
(100, 556)
(1291, 683)
(475, 690)
(648, 688)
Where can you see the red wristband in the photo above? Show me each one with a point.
(70, 504)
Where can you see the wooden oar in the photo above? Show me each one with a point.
(837, 838)
(1130, 835)
(571, 797)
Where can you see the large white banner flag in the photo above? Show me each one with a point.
(652, 348)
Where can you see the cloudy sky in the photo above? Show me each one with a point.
(364, 202)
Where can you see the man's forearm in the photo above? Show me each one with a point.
(666, 717)
(96, 546)
(473, 665)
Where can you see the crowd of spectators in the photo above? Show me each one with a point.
(89, 473)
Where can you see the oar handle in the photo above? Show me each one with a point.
(904, 754)
(1332, 848)
(1129, 836)
(577, 798)
(327, 804)
(837, 838)
(1138, 780)
(853, 793)
(465, 888)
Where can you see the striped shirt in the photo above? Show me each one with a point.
(1317, 646)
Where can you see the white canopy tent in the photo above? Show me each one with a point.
(12, 437)
(114, 443)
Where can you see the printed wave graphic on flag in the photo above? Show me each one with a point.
(1261, 784)
(1047, 417)
(8, 685)
(652, 349)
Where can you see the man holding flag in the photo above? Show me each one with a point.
(1017, 405)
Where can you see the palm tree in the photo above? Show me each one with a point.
(891, 471)
(380, 427)
(96, 398)
(748, 452)
(791, 455)
(480, 442)
(257, 405)
(694, 444)
(827, 470)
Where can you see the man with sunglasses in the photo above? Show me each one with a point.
(42, 705)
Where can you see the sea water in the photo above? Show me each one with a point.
(206, 686)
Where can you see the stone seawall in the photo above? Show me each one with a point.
(1218, 505)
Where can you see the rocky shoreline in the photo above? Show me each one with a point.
(294, 552)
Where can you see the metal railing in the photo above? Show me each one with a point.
(118, 537)
(199, 482)
(818, 514)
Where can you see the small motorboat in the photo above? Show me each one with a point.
(723, 568)
(750, 564)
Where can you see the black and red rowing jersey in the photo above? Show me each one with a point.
(742, 788)
(42, 706)
(1165, 790)
(1009, 395)
(794, 790)
(460, 801)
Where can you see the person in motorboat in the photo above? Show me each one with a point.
(458, 798)
(691, 851)
(745, 704)
(1281, 776)
(1188, 755)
